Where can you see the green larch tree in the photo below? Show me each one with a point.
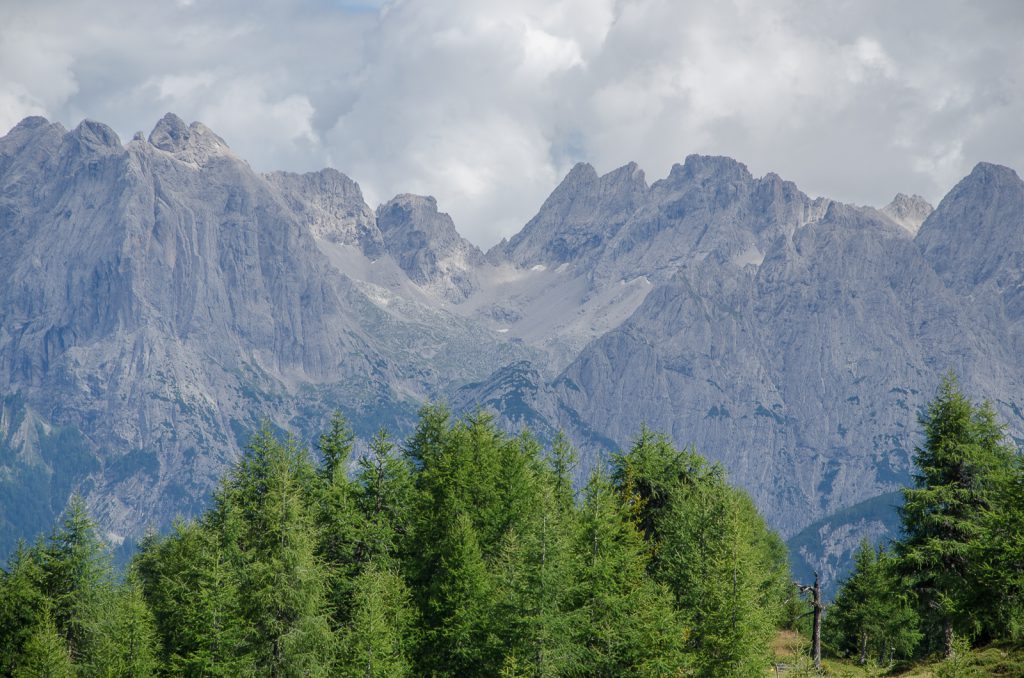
(23, 603)
(44, 653)
(627, 623)
(190, 581)
(728, 572)
(379, 638)
(77, 567)
(282, 583)
(124, 641)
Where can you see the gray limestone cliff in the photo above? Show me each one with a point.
(427, 247)
(160, 299)
(331, 206)
(909, 211)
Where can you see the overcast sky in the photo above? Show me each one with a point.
(486, 105)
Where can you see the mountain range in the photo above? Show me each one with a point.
(160, 299)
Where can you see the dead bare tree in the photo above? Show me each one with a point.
(816, 610)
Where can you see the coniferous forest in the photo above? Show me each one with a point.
(464, 551)
(955, 577)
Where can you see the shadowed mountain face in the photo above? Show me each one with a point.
(160, 299)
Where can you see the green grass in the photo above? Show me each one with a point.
(1000, 660)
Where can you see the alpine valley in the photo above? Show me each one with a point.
(160, 299)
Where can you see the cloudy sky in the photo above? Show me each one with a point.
(486, 105)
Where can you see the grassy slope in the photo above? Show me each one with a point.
(1001, 660)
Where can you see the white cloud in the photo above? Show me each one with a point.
(487, 104)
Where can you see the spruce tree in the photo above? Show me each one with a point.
(872, 617)
(960, 468)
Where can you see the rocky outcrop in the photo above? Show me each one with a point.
(427, 247)
(975, 241)
(579, 217)
(332, 207)
(909, 211)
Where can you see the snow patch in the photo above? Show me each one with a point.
(751, 255)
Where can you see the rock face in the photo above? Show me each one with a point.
(975, 242)
(159, 299)
(427, 247)
(909, 211)
(579, 217)
(331, 206)
(801, 375)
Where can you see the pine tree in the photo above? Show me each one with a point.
(872, 617)
(960, 467)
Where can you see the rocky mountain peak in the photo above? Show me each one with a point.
(332, 207)
(579, 216)
(992, 174)
(29, 132)
(29, 123)
(582, 173)
(702, 167)
(170, 134)
(426, 245)
(96, 136)
(909, 211)
(193, 144)
(976, 235)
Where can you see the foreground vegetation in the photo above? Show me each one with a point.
(464, 553)
(467, 552)
(1000, 660)
(955, 578)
